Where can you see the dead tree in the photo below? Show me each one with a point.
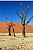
(9, 30)
(10, 25)
(13, 31)
(23, 17)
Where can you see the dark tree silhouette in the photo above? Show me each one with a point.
(23, 17)
(9, 27)
(13, 31)
(9, 30)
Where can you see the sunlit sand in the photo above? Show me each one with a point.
(18, 42)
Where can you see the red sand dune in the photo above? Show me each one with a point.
(17, 27)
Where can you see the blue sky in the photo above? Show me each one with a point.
(8, 9)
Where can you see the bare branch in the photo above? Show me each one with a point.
(7, 18)
(22, 10)
(29, 20)
(19, 15)
(21, 6)
(27, 10)
(5, 22)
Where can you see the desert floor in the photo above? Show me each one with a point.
(16, 43)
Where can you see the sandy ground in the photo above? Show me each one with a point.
(17, 43)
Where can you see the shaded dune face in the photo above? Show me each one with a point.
(17, 28)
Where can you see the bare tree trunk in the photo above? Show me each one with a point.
(23, 28)
(9, 33)
(13, 32)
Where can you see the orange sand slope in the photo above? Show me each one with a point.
(17, 27)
